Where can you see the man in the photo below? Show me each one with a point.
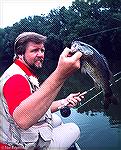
(26, 107)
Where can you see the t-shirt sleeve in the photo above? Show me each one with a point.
(15, 90)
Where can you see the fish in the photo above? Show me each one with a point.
(96, 66)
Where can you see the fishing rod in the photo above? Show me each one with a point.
(117, 74)
(65, 111)
(99, 92)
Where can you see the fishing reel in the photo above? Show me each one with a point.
(65, 111)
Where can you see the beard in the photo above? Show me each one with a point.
(35, 69)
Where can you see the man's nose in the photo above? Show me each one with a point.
(40, 53)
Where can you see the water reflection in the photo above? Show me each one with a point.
(100, 129)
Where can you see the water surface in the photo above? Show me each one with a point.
(100, 129)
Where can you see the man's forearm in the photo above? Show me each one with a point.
(35, 106)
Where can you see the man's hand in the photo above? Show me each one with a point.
(73, 99)
(68, 64)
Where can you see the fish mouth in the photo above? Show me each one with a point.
(82, 47)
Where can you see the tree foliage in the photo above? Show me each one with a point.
(96, 22)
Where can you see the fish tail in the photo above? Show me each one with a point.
(112, 99)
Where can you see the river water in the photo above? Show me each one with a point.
(100, 129)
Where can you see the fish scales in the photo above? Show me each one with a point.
(96, 66)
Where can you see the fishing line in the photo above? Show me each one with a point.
(118, 79)
(65, 111)
(99, 92)
(89, 100)
(117, 74)
(100, 32)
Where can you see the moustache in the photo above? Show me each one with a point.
(39, 59)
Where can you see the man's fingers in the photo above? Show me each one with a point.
(72, 101)
(76, 56)
(75, 94)
(82, 94)
(66, 51)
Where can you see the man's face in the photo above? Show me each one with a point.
(34, 55)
